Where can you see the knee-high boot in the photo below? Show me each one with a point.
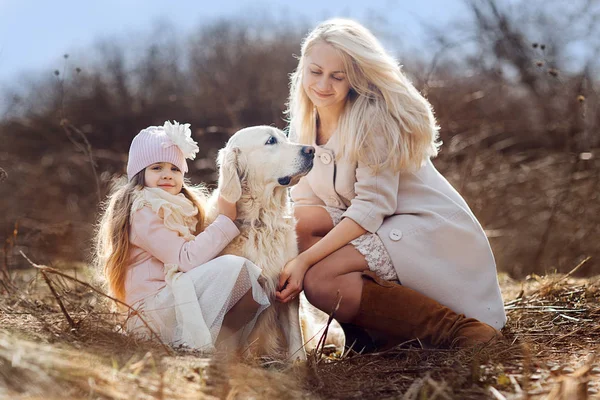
(404, 314)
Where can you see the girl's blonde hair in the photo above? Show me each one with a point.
(383, 108)
(112, 235)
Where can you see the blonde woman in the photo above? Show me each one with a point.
(377, 223)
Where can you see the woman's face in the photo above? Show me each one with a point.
(324, 79)
(165, 176)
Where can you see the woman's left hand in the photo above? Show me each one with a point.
(291, 280)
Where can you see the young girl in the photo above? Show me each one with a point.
(159, 258)
(374, 212)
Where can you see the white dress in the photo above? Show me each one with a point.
(189, 311)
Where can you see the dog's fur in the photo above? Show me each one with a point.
(256, 174)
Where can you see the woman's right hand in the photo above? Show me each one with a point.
(227, 208)
(291, 279)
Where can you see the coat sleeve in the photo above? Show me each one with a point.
(303, 195)
(376, 197)
(149, 233)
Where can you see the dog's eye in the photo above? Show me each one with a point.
(272, 140)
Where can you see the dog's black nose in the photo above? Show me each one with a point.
(308, 150)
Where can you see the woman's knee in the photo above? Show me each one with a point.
(316, 286)
(322, 289)
(304, 235)
(303, 226)
(312, 220)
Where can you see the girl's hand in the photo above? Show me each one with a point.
(226, 208)
(291, 280)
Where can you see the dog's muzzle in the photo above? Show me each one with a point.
(308, 154)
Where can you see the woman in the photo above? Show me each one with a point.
(374, 212)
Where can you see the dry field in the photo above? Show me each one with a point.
(59, 339)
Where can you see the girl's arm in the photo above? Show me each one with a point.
(149, 233)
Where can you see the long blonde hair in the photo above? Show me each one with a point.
(112, 234)
(383, 108)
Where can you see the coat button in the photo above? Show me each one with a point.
(325, 158)
(395, 234)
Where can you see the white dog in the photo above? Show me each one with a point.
(256, 167)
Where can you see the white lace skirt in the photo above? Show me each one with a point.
(371, 247)
(189, 311)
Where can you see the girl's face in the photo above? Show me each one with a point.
(164, 175)
(324, 79)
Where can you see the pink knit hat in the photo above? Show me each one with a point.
(171, 143)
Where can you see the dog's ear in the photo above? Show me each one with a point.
(230, 186)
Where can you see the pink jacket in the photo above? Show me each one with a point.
(153, 245)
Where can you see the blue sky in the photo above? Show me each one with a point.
(34, 34)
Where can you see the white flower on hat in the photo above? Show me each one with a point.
(181, 136)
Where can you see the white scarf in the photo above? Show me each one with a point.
(180, 215)
(177, 211)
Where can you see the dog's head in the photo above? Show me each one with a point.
(261, 160)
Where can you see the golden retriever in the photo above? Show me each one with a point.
(256, 167)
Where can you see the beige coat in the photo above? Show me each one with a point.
(436, 244)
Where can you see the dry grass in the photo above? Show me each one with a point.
(553, 330)
(552, 334)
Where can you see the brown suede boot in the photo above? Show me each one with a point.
(406, 314)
